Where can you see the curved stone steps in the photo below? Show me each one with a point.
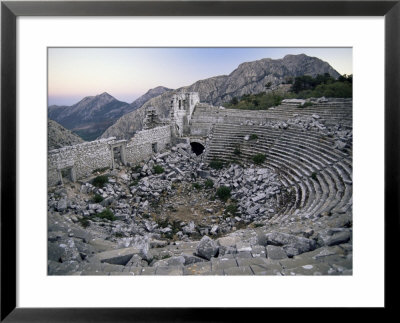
(331, 199)
(316, 162)
(315, 141)
(296, 156)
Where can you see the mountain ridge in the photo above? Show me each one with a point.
(91, 116)
(247, 78)
(58, 136)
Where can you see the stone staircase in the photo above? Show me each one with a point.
(333, 112)
(314, 173)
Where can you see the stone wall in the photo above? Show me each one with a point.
(140, 147)
(82, 158)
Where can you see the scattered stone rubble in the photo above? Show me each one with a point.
(343, 135)
(169, 222)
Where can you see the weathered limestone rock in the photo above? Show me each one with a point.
(293, 245)
(275, 253)
(176, 261)
(62, 205)
(332, 237)
(118, 256)
(207, 248)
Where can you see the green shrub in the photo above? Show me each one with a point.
(314, 176)
(208, 183)
(158, 169)
(231, 210)
(259, 159)
(223, 193)
(253, 136)
(237, 151)
(216, 164)
(197, 186)
(175, 226)
(84, 222)
(162, 223)
(97, 198)
(99, 181)
(259, 101)
(106, 214)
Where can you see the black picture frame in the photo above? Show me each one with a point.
(10, 10)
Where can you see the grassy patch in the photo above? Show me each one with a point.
(106, 215)
(158, 169)
(84, 222)
(197, 186)
(259, 101)
(208, 183)
(253, 136)
(223, 193)
(100, 181)
(146, 216)
(162, 223)
(216, 164)
(231, 210)
(97, 198)
(314, 176)
(175, 227)
(259, 159)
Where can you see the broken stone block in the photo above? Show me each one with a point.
(118, 256)
(207, 248)
(275, 253)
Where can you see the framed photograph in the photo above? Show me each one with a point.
(163, 157)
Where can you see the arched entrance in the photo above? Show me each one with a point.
(197, 148)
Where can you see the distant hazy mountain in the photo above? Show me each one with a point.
(248, 78)
(91, 116)
(59, 137)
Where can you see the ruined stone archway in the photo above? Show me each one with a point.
(67, 174)
(118, 153)
(197, 148)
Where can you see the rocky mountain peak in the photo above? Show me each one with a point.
(247, 78)
(105, 95)
(149, 95)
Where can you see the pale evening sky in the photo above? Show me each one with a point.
(127, 73)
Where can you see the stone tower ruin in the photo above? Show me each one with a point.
(151, 119)
(182, 106)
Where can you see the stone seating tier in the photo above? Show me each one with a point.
(318, 175)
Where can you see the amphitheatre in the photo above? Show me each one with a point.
(208, 191)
